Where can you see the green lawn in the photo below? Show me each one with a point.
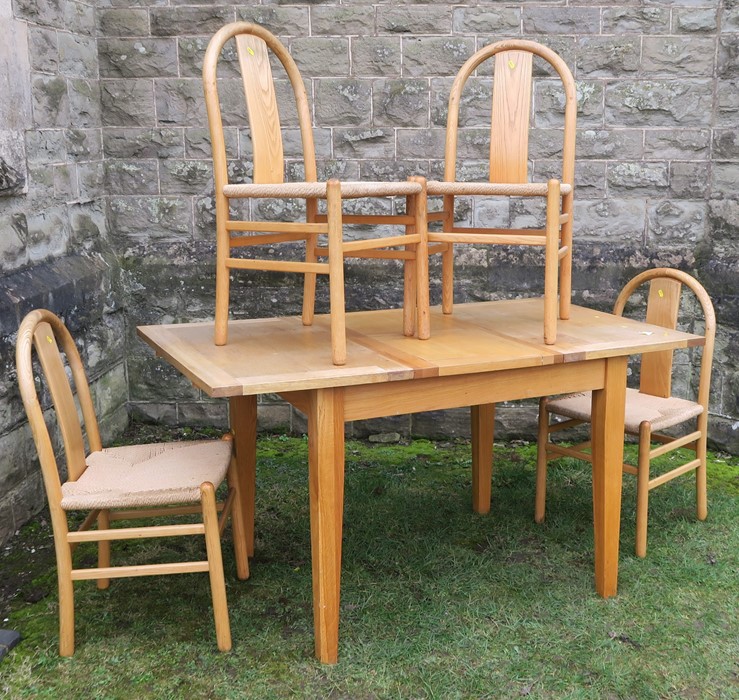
(436, 602)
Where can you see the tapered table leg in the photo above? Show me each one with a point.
(326, 481)
(608, 447)
(243, 414)
(483, 431)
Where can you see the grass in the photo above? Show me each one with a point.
(436, 602)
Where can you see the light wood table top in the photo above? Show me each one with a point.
(280, 354)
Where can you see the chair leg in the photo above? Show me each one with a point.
(422, 263)
(103, 549)
(336, 272)
(541, 462)
(66, 597)
(551, 262)
(309, 280)
(238, 523)
(565, 265)
(447, 259)
(220, 335)
(215, 566)
(701, 497)
(642, 489)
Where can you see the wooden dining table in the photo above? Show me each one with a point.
(483, 353)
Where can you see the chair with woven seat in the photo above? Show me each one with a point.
(254, 44)
(509, 173)
(650, 409)
(121, 483)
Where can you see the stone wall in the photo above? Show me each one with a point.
(106, 200)
(657, 153)
(53, 233)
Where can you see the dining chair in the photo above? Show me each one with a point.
(254, 45)
(650, 409)
(508, 172)
(134, 482)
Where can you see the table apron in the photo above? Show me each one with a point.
(435, 393)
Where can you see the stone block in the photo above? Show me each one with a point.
(127, 102)
(12, 248)
(143, 143)
(110, 390)
(365, 143)
(83, 144)
(657, 103)
(155, 380)
(638, 177)
(609, 144)
(46, 14)
(84, 103)
(611, 219)
(432, 55)
(79, 17)
(483, 20)
(78, 56)
(46, 146)
(289, 20)
(384, 430)
(724, 180)
(138, 58)
(728, 56)
(176, 21)
(725, 144)
(550, 102)
(131, 177)
(88, 224)
(727, 103)
(153, 412)
(191, 52)
(560, 20)
(670, 144)
(48, 233)
(475, 103)
(729, 18)
(197, 142)
(123, 21)
(344, 102)
(50, 101)
(491, 212)
(590, 179)
(635, 20)
(273, 417)
(179, 102)
(375, 56)
(608, 57)
(203, 413)
(679, 224)
(321, 56)
(694, 20)
(401, 102)
(65, 182)
(678, 56)
(410, 19)
(186, 176)
(43, 50)
(391, 170)
(91, 177)
(340, 19)
(143, 219)
(689, 180)
(420, 143)
(451, 423)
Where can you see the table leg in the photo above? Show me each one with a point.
(607, 449)
(326, 479)
(243, 414)
(483, 429)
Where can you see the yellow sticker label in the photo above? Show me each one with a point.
(48, 338)
(661, 293)
(250, 50)
(511, 64)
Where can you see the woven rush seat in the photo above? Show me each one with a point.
(660, 412)
(349, 190)
(137, 476)
(525, 189)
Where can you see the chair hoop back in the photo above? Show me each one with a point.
(511, 110)
(663, 306)
(253, 44)
(43, 332)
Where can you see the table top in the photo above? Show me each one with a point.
(280, 354)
